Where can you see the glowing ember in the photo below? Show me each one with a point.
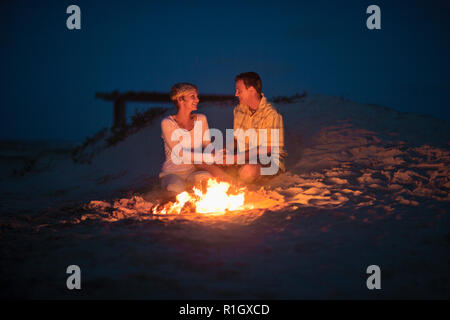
(216, 199)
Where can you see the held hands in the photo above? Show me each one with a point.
(223, 154)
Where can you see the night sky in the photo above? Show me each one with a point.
(49, 74)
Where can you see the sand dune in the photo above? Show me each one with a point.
(365, 185)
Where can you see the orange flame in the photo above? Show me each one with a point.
(216, 199)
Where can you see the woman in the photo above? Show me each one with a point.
(179, 168)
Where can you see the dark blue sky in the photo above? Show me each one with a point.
(50, 74)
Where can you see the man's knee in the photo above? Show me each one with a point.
(249, 172)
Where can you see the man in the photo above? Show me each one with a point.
(255, 112)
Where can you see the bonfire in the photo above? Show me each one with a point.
(217, 197)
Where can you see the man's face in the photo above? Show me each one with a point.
(190, 100)
(242, 92)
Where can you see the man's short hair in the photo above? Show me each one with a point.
(250, 79)
(179, 89)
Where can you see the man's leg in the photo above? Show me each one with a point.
(215, 171)
(249, 172)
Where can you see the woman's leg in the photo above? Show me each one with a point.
(197, 177)
(173, 183)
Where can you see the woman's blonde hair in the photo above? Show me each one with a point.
(179, 89)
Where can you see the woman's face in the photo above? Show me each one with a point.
(190, 100)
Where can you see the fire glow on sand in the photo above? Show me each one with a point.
(216, 200)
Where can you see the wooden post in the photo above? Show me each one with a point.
(120, 117)
(120, 101)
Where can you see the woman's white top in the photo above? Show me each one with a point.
(181, 142)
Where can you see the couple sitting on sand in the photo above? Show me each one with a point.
(184, 162)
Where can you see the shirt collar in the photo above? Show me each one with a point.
(262, 105)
